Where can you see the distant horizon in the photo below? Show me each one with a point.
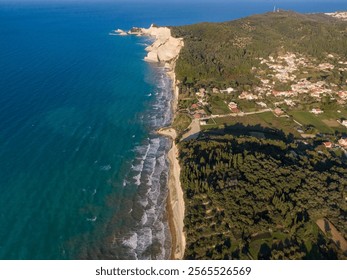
(281, 4)
(80, 159)
(274, 2)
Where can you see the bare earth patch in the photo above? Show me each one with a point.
(331, 123)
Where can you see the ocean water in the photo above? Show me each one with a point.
(82, 173)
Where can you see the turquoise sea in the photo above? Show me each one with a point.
(82, 175)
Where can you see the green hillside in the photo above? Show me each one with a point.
(223, 54)
(260, 186)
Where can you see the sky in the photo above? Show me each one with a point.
(191, 1)
(272, 2)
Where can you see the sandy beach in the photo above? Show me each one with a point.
(176, 204)
(176, 198)
(165, 49)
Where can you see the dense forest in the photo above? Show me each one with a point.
(257, 198)
(223, 54)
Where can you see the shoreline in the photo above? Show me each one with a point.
(165, 49)
(175, 200)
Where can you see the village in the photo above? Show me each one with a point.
(315, 108)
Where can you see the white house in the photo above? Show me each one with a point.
(317, 111)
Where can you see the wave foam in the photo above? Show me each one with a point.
(149, 171)
(131, 242)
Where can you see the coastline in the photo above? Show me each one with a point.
(165, 49)
(175, 200)
(176, 205)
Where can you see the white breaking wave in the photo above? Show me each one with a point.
(105, 167)
(137, 179)
(131, 242)
(149, 171)
(92, 219)
(144, 238)
(138, 167)
(144, 219)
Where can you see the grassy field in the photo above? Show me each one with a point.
(323, 123)
(266, 119)
(218, 107)
(181, 122)
(310, 230)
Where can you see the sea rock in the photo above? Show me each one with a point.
(121, 32)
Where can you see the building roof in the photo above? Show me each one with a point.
(278, 111)
(343, 142)
(328, 144)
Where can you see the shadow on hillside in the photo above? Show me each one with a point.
(257, 131)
